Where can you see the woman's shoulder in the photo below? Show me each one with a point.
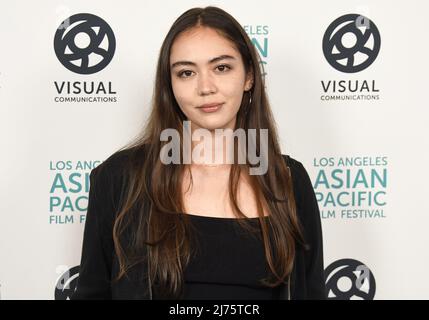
(297, 169)
(306, 201)
(302, 183)
(109, 180)
(117, 164)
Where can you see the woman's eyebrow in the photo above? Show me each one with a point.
(213, 60)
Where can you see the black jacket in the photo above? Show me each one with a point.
(99, 262)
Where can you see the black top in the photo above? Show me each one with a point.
(227, 261)
(99, 263)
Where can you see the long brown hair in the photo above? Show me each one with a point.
(152, 212)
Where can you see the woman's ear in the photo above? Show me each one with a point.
(249, 81)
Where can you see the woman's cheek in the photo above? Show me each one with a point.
(181, 97)
(234, 93)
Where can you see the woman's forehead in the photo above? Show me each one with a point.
(200, 45)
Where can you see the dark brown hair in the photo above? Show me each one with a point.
(154, 189)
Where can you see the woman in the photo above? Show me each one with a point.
(199, 230)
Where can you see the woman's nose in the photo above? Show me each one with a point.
(206, 84)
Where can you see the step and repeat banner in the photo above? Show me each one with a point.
(347, 81)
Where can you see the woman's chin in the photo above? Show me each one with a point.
(212, 125)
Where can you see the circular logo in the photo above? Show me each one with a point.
(351, 43)
(349, 279)
(84, 43)
(66, 284)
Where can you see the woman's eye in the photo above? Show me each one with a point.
(185, 74)
(223, 67)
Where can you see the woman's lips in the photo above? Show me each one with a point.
(211, 108)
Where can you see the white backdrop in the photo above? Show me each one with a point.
(49, 147)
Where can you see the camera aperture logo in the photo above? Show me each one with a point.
(351, 187)
(84, 43)
(69, 188)
(349, 279)
(351, 43)
(66, 283)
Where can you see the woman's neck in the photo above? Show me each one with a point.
(213, 149)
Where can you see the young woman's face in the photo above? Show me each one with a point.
(206, 68)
